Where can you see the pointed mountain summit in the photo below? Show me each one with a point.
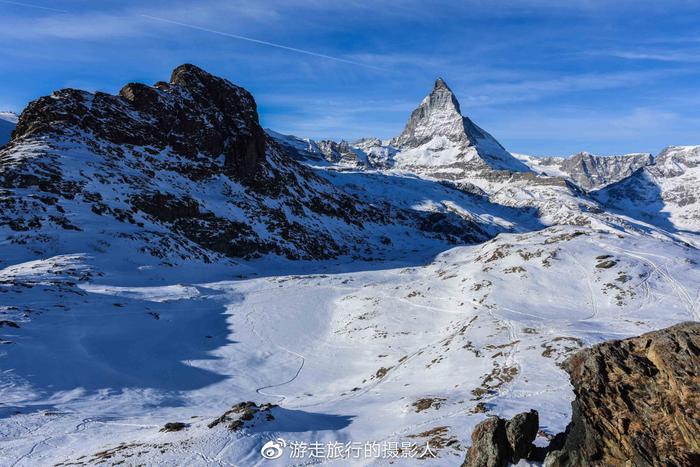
(437, 134)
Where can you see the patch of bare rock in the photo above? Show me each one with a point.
(637, 404)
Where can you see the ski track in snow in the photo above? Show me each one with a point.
(261, 389)
(677, 286)
(589, 283)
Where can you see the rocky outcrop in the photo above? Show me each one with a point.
(637, 402)
(196, 114)
(497, 442)
(342, 153)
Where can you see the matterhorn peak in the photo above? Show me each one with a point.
(437, 115)
(441, 84)
(438, 125)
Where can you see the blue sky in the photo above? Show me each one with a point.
(543, 76)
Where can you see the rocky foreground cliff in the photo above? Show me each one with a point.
(637, 404)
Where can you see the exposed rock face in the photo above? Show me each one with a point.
(664, 193)
(490, 446)
(637, 402)
(342, 153)
(587, 170)
(437, 135)
(497, 442)
(521, 431)
(591, 172)
(195, 114)
(437, 115)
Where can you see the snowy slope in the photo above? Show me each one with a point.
(8, 120)
(410, 355)
(666, 193)
(587, 170)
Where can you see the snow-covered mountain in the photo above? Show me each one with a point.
(666, 193)
(8, 120)
(180, 286)
(183, 170)
(587, 170)
(438, 140)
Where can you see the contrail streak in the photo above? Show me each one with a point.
(270, 44)
(29, 5)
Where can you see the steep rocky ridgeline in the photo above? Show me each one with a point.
(664, 193)
(589, 171)
(183, 170)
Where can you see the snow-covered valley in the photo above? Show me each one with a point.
(407, 354)
(152, 281)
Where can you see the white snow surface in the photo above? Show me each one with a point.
(103, 359)
(8, 120)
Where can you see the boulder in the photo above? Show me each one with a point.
(497, 442)
(521, 431)
(637, 402)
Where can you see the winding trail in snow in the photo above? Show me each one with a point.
(261, 390)
(589, 283)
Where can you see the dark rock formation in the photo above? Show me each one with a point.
(195, 114)
(497, 442)
(490, 446)
(521, 431)
(637, 402)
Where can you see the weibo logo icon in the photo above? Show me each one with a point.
(273, 449)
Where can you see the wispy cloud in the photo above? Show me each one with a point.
(262, 42)
(31, 5)
(661, 56)
(535, 89)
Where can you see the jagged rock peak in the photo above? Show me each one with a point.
(196, 113)
(437, 124)
(437, 115)
(441, 84)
